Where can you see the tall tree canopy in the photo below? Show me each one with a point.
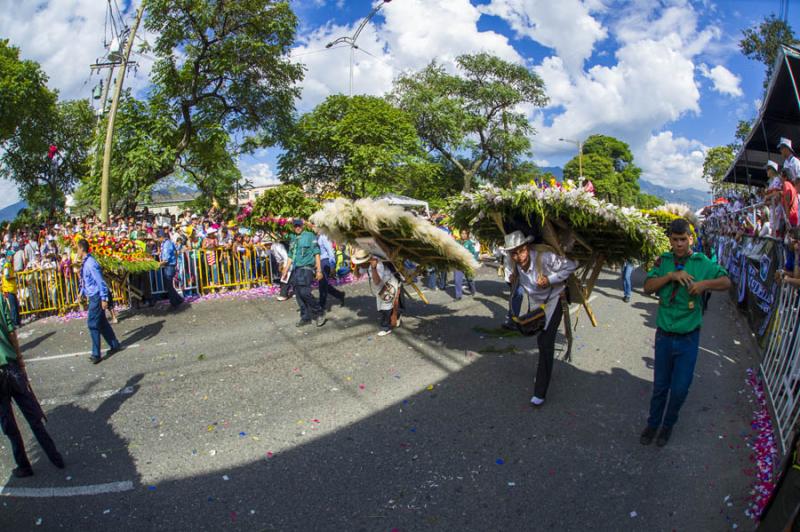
(43, 182)
(470, 118)
(354, 147)
(608, 163)
(762, 42)
(24, 95)
(718, 160)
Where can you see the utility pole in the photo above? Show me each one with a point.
(578, 143)
(112, 114)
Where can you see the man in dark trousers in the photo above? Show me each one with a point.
(169, 265)
(680, 278)
(305, 265)
(94, 288)
(14, 385)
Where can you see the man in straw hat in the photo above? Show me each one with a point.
(386, 288)
(541, 274)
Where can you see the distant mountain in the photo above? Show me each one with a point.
(690, 196)
(10, 212)
(555, 170)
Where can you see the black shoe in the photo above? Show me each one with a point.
(626, 299)
(96, 360)
(22, 472)
(321, 320)
(509, 325)
(647, 435)
(116, 348)
(58, 461)
(302, 323)
(663, 436)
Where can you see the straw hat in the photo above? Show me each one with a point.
(515, 240)
(360, 256)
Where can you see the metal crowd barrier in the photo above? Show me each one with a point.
(780, 364)
(50, 290)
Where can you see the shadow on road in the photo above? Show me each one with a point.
(36, 341)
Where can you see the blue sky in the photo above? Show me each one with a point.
(666, 76)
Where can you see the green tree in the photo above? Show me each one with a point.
(354, 147)
(715, 165)
(284, 201)
(762, 42)
(43, 182)
(473, 112)
(608, 164)
(24, 96)
(648, 201)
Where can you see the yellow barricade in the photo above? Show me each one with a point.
(233, 269)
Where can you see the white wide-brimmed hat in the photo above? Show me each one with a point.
(785, 142)
(515, 240)
(774, 166)
(360, 256)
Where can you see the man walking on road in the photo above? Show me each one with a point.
(327, 258)
(680, 278)
(14, 384)
(169, 265)
(304, 263)
(94, 288)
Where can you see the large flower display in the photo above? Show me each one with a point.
(115, 254)
(618, 233)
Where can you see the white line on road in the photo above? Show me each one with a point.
(72, 491)
(96, 395)
(68, 355)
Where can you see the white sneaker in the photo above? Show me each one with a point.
(282, 298)
(384, 333)
(535, 401)
(399, 322)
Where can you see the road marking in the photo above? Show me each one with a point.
(69, 355)
(574, 308)
(72, 491)
(128, 390)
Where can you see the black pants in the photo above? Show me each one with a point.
(14, 385)
(168, 275)
(385, 319)
(301, 282)
(325, 287)
(547, 349)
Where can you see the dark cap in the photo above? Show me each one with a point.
(298, 222)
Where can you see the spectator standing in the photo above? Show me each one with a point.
(15, 385)
(169, 265)
(10, 288)
(790, 162)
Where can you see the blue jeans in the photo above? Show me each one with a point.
(98, 325)
(168, 274)
(458, 279)
(325, 287)
(515, 303)
(676, 356)
(627, 270)
(13, 307)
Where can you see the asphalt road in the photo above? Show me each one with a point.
(226, 416)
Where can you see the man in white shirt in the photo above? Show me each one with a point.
(542, 275)
(790, 162)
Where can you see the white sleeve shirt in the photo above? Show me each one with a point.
(557, 269)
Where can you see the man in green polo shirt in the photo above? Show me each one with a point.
(14, 385)
(305, 265)
(680, 278)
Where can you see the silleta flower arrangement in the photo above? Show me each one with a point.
(115, 254)
(618, 233)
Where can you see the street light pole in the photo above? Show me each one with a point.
(578, 143)
(351, 40)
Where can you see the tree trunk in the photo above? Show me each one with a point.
(467, 182)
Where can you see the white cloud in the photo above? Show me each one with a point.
(258, 173)
(65, 37)
(413, 33)
(725, 81)
(675, 162)
(8, 192)
(566, 26)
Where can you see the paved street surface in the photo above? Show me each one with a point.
(226, 416)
